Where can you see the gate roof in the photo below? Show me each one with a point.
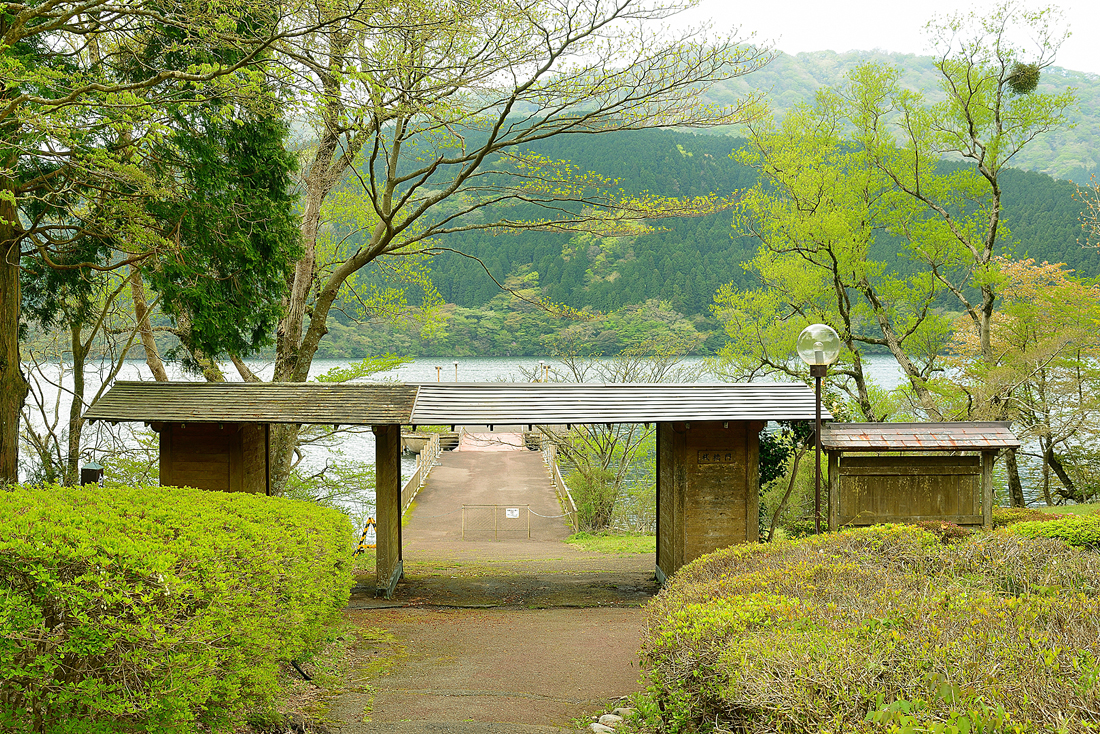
(451, 403)
(954, 436)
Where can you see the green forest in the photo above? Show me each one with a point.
(680, 263)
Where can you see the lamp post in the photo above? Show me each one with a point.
(818, 346)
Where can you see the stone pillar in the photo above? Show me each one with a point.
(387, 501)
(708, 477)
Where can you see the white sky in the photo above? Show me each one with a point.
(794, 26)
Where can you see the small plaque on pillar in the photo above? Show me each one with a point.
(717, 456)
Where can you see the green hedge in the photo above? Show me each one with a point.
(1080, 531)
(1005, 516)
(879, 629)
(155, 609)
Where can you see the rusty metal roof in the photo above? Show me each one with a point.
(955, 436)
(450, 403)
(255, 402)
(545, 403)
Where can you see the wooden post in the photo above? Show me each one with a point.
(987, 489)
(834, 491)
(387, 501)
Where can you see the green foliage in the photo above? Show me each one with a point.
(947, 532)
(1005, 516)
(594, 492)
(1023, 78)
(364, 368)
(1079, 531)
(507, 327)
(158, 609)
(613, 542)
(879, 629)
(1092, 508)
(235, 229)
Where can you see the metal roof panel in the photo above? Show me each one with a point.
(959, 435)
(451, 403)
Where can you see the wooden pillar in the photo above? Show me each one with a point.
(834, 491)
(671, 481)
(987, 489)
(387, 501)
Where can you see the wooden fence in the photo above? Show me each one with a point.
(866, 490)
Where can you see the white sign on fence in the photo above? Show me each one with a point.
(511, 513)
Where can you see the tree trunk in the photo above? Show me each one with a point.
(13, 384)
(145, 328)
(284, 441)
(1015, 488)
(1069, 491)
(1046, 471)
(76, 423)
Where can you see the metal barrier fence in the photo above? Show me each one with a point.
(425, 461)
(480, 520)
(550, 457)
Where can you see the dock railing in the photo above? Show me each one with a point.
(550, 457)
(425, 460)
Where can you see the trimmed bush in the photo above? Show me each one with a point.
(153, 609)
(879, 629)
(947, 532)
(1005, 516)
(1080, 531)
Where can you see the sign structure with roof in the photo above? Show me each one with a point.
(951, 480)
(217, 436)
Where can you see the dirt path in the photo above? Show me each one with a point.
(495, 635)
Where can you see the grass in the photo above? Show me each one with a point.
(1073, 509)
(606, 541)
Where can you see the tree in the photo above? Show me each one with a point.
(424, 115)
(820, 208)
(603, 458)
(1043, 375)
(891, 172)
(87, 93)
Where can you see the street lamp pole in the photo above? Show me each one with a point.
(818, 371)
(818, 346)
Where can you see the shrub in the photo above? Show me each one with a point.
(158, 609)
(947, 532)
(879, 627)
(1080, 531)
(801, 528)
(1005, 516)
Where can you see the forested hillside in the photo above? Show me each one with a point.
(684, 261)
(1071, 153)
